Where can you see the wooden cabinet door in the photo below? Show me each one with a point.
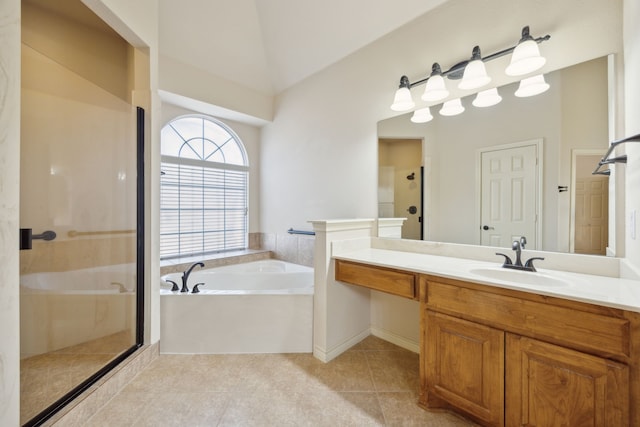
(547, 385)
(464, 367)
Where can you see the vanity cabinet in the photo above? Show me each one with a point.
(391, 281)
(514, 358)
(464, 367)
(549, 385)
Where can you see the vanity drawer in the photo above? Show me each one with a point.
(582, 330)
(387, 280)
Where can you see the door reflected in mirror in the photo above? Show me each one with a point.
(400, 183)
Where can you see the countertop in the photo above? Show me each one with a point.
(600, 290)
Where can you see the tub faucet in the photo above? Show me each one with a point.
(174, 288)
(185, 276)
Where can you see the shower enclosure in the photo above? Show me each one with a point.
(80, 206)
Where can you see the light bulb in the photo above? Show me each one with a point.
(422, 115)
(452, 107)
(532, 86)
(487, 98)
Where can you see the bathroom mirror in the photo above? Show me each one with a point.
(568, 123)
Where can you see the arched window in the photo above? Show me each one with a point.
(203, 188)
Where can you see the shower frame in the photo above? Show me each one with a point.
(74, 393)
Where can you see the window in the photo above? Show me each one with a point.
(203, 188)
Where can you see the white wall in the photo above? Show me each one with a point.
(203, 87)
(137, 22)
(9, 211)
(632, 126)
(319, 154)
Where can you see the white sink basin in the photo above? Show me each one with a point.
(519, 277)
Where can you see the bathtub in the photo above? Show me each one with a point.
(62, 309)
(256, 307)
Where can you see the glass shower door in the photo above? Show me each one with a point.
(78, 196)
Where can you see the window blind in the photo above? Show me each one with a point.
(203, 209)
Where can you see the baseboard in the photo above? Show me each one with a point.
(325, 355)
(396, 339)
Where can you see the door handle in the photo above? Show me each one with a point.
(412, 210)
(486, 227)
(27, 237)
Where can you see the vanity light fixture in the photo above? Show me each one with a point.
(525, 59)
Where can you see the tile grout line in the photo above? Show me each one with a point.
(375, 387)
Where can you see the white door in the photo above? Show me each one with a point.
(591, 215)
(509, 196)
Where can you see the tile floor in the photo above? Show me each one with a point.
(373, 384)
(47, 377)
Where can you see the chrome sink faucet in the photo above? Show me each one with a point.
(185, 276)
(518, 246)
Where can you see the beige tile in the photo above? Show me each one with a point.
(401, 409)
(268, 241)
(261, 409)
(397, 370)
(287, 247)
(373, 384)
(347, 372)
(272, 372)
(306, 247)
(123, 410)
(162, 375)
(166, 409)
(372, 343)
(342, 409)
(206, 409)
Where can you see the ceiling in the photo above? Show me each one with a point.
(270, 45)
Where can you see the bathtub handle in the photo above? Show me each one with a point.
(195, 289)
(175, 287)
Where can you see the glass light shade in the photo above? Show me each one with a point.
(422, 115)
(487, 98)
(475, 75)
(525, 59)
(532, 86)
(435, 89)
(452, 107)
(402, 101)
